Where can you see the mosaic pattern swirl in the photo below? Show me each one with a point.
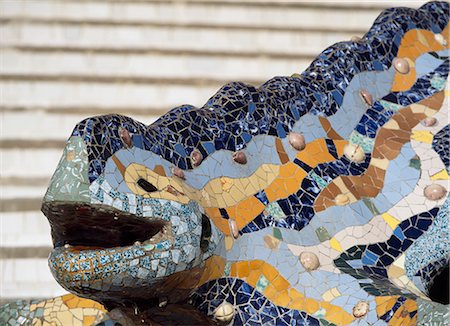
(316, 199)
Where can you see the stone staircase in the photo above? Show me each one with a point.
(61, 61)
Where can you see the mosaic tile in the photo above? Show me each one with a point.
(299, 202)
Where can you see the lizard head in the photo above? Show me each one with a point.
(121, 216)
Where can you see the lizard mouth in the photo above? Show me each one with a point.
(91, 226)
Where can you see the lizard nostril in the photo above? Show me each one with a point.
(147, 186)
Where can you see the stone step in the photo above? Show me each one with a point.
(58, 128)
(27, 278)
(32, 188)
(249, 14)
(159, 65)
(29, 163)
(24, 230)
(70, 91)
(49, 33)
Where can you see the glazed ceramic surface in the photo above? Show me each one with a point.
(316, 199)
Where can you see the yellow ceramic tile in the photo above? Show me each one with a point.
(335, 292)
(380, 163)
(391, 124)
(395, 271)
(390, 220)
(335, 245)
(228, 243)
(328, 296)
(441, 175)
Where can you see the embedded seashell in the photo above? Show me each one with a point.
(297, 141)
(178, 172)
(360, 309)
(309, 260)
(125, 136)
(440, 39)
(356, 38)
(67, 246)
(429, 121)
(240, 157)
(401, 65)
(342, 200)
(354, 153)
(434, 192)
(366, 96)
(233, 228)
(137, 243)
(196, 158)
(224, 312)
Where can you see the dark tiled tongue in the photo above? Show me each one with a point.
(97, 225)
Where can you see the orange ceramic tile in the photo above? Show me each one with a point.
(283, 299)
(270, 291)
(280, 283)
(270, 272)
(414, 44)
(245, 211)
(243, 269)
(88, 320)
(72, 301)
(385, 303)
(315, 152)
(310, 305)
(340, 144)
(219, 221)
(253, 277)
(295, 295)
(159, 169)
(288, 182)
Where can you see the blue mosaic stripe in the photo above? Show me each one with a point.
(239, 112)
(378, 257)
(369, 263)
(382, 110)
(298, 208)
(253, 308)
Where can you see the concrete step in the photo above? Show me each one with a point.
(23, 187)
(201, 38)
(25, 230)
(27, 278)
(59, 126)
(104, 92)
(48, 62)
(29, 163)
(250, 14)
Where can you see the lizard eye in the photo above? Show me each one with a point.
(147, 186)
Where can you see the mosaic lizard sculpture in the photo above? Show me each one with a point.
(316, 199)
